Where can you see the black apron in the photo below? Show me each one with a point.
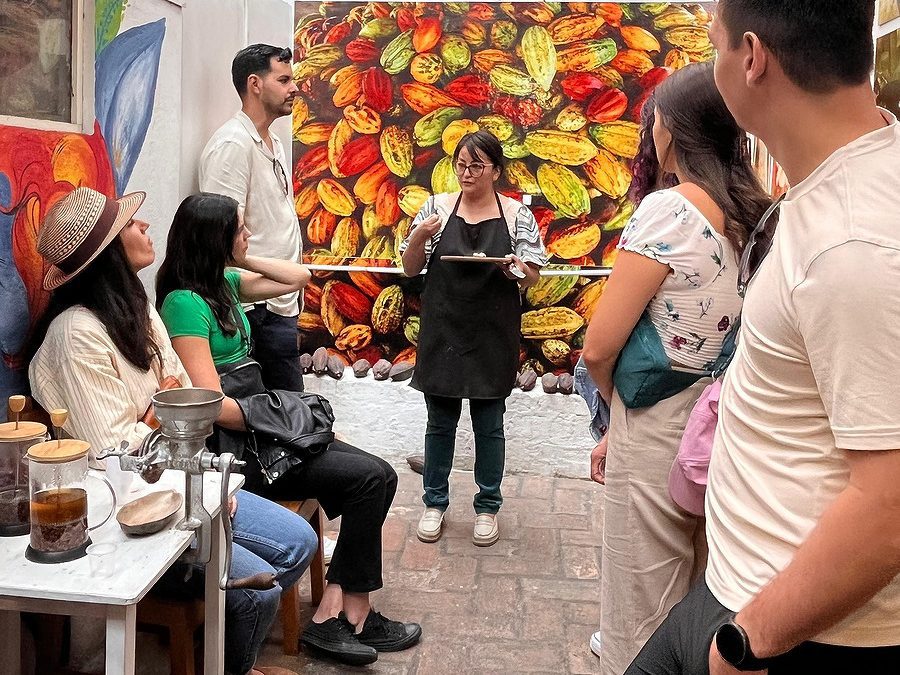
(471, 315)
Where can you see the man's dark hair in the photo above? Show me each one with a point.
(821, 45)
(255, 60)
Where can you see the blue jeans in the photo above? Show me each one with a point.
(267, 538)
(440, 442)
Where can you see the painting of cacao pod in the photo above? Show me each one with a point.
(387, 90)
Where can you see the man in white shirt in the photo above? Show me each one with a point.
(245, 161)
(803, 502)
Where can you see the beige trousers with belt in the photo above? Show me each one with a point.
(652, 550)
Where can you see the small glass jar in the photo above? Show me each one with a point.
(15, 440)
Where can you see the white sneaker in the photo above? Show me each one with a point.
(487, 531)
(595, 643)
(430, 525)
(328, 545)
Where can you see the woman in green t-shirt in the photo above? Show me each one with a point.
(200, 304)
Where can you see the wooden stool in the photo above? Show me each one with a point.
(290, 599)
(181, 618)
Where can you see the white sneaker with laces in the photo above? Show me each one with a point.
(595, 643)
(430, 525)
(328, 549)
(487, 531)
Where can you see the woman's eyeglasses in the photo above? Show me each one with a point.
(476, 169)
(747, 270)
(280, 175)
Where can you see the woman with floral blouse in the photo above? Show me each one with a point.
(678, 261)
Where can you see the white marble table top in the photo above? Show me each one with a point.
(140, 561)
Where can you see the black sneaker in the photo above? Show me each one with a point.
(335, 638)
(388, 636)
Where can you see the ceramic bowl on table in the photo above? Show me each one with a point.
(150, 513)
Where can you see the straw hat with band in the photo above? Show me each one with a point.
(78, 228)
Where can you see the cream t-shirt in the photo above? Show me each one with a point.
(814, 378)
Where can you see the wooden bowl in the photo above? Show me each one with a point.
(150, 513)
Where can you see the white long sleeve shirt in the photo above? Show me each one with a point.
(79, 368)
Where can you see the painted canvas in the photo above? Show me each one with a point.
(888, 10)
(887, 72)
(388, 89)
(38, 168)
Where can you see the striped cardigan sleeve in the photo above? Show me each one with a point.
(527, 241)
(427, 210)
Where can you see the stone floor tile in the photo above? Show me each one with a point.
(580, 562)
(580, 659)
(528, 604)
(561, 589)
(581, 538)
(521, 566)
(517, 657)
(573, 501)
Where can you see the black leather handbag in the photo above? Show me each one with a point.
(284, 428)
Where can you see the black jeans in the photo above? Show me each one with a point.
(276, 349)
(680, 646)
(440, 442)
(360, 488)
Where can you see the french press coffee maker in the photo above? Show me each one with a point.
(58, 473)
(15, 439)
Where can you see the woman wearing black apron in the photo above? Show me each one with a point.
(470, 324)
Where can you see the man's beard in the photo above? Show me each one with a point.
(282, 109)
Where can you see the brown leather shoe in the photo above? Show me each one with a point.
(416, 463)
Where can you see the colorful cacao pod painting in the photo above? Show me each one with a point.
(387, 89)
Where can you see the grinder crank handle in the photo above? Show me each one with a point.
(262, 581)
(258, 582)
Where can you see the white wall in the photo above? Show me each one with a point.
(157, 169)
(218, 29)
(194, 94)
(546, 434)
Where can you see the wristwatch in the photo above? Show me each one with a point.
(734, 646)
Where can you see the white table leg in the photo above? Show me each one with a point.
(214, 638)
(10, 642)
(120, 633)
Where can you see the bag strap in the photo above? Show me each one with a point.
(245, 337)
(729, 348)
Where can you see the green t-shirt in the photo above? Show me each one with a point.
(186, 314)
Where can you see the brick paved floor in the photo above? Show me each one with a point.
(527, 604)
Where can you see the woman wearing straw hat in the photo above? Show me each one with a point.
(105, 352)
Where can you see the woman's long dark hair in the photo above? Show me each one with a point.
(111, 290)
(648, 176)
(711, 149)
(198, 249)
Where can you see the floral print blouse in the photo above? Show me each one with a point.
(698, 302)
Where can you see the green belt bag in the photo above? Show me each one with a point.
(644, 374)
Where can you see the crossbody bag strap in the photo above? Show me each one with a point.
(729, 348)
(245, 337)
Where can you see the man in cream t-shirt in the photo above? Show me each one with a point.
(245, 161)
(803, 500)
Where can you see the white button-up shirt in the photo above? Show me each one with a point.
(237, 163)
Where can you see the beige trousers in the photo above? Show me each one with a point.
(652, 550)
